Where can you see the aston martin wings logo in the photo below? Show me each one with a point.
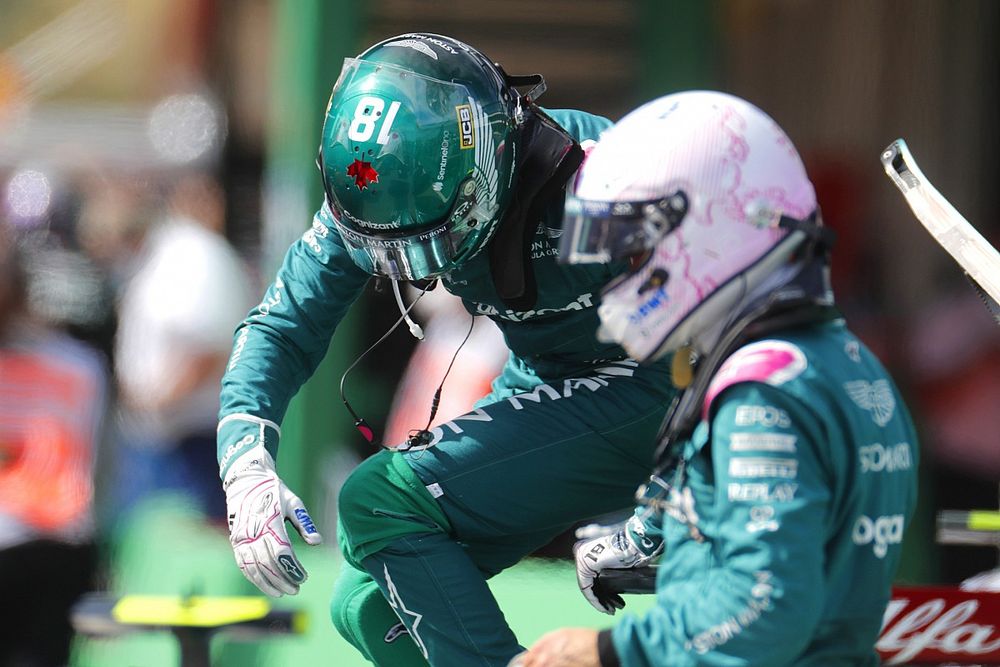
(486, 176)
(876, 398)
(416, 45)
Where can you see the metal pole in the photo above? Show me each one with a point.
(311, 40)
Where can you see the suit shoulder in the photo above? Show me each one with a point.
(580, 124)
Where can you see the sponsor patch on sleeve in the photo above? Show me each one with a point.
(764, 467)
(762, 442)
(877, 458)
(761, 492)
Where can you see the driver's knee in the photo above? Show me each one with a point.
(356, 506)
(382, 500)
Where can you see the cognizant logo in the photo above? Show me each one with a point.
(881, 531)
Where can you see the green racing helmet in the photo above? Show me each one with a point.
(417, 154)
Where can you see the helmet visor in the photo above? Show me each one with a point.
(425, 254)
(611, 231)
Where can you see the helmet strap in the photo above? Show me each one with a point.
(547, 156)
(820, 237)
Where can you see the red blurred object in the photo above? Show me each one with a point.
(935, 625)
(51, 400)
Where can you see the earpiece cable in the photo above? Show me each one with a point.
(359, 423)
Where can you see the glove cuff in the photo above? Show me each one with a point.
(646, 542)
(256, 460)
(238, 434)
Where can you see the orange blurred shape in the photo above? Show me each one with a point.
(11, 86)
(46, 440)
(45, 481)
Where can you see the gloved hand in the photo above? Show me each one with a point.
(627, 547)
(257, 503)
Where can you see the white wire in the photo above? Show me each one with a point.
(415, 329)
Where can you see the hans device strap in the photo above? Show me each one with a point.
(549, 157)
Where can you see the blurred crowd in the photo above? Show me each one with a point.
(118, 297)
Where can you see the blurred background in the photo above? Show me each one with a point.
(157, 159)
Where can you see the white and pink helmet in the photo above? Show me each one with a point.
(704, 194)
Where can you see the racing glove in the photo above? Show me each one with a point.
(627, 547)
(257, 503)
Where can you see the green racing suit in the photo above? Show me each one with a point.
(566, 434)
(783, 520)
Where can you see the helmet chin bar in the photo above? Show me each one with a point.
(704, 325)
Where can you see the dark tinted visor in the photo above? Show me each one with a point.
(603, 231)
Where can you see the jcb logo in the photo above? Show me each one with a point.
(466, 130)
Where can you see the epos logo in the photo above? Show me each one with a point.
(765, 415)
(881, 531)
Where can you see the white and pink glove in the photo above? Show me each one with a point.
(257, 503)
